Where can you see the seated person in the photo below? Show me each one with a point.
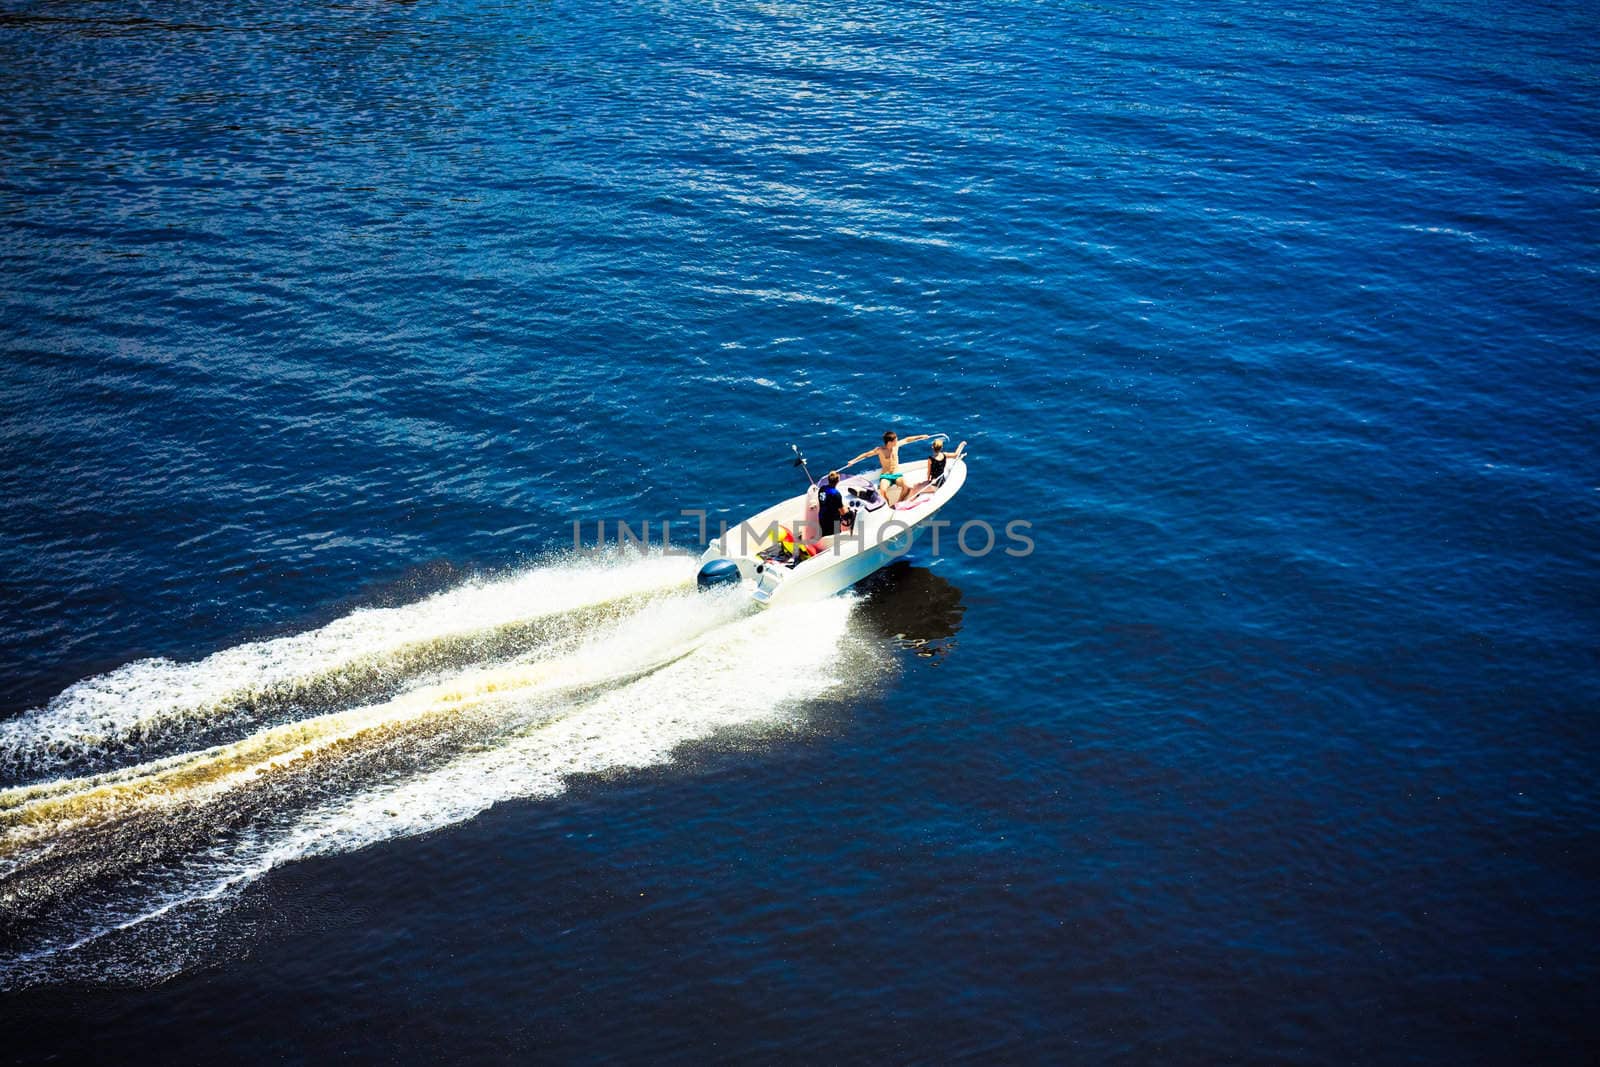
(830, 505)
(936, 465)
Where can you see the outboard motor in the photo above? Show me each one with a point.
(718, 573)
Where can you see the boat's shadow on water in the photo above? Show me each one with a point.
(912, 606)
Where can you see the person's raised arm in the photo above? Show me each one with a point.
(914, 440)
(858, 459)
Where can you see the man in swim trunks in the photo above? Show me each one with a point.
(888, 455)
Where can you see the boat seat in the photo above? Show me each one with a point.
(861, 490)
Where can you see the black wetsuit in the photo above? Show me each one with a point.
(829, 503)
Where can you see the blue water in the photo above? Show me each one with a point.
(1277, 321)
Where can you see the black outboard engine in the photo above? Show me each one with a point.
(718, 573)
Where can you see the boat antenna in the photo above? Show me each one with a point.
(800, 461)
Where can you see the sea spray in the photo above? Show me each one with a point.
(90, 863)
(145, 709)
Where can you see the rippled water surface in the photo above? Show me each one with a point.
(322, 325)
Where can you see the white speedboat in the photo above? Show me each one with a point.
(779, 555)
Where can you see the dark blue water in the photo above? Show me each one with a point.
(1277, 321)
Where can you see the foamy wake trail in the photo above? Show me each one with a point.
(136, 710)
(629, 693)
(733, 680)
(481, 701)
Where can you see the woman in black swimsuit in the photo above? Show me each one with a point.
(936, 462)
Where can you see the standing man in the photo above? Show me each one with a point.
(888, 455)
